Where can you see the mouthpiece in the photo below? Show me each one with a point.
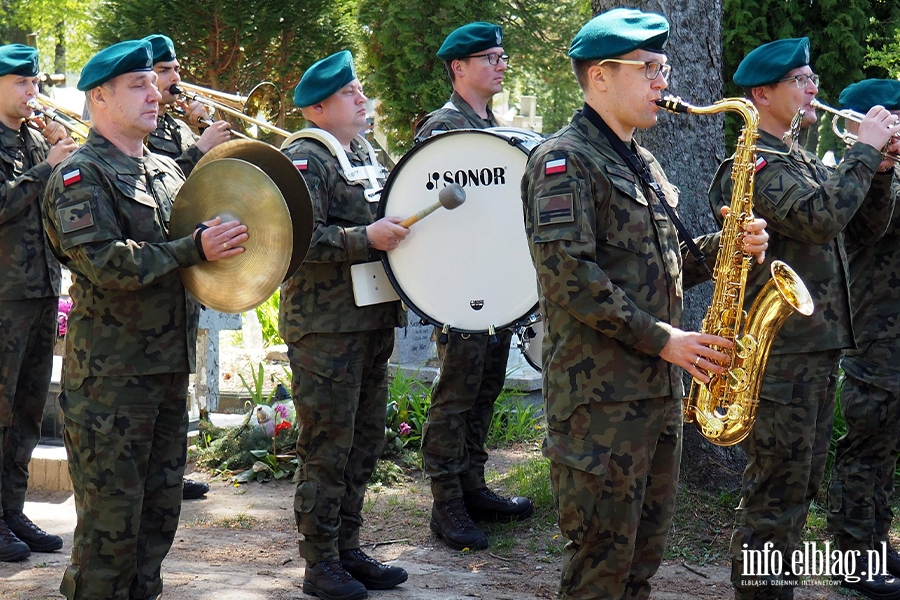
(175, 90)
(674, 104)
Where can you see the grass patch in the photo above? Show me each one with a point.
(238, 521)
(702, 526)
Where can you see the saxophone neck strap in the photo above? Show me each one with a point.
(369, 176)
(639, 167)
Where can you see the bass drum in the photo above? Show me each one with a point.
(531, 340)
(466, 270)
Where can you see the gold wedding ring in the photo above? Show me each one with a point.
(225, 245)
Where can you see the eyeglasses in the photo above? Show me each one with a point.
(493, 57)
(651, 69)
(802, 80)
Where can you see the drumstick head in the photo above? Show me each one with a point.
(452, 196)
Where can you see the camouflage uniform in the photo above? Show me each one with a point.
(610, 273)
(339, 354)
(862, 478)
(175, 139)
(29, 289)
(807, 206)
(130, 346)
(473, 369)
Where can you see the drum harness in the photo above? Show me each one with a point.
(366, 175)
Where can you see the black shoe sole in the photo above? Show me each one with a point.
(312, 590)
(858, 588)
(374, 584)
(481, 544)
(48, 547)
(496, 516)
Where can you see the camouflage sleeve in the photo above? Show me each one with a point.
(564, 234)
(441, 120)
(82, 222)
(812, 213)
(330, 242)
(189, 159)
(871, 221)
(17, 194)
(692, 272)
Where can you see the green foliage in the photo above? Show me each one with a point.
(231, 47)
(255, 386)
(403, 72)
(267, 314)
(387, 473)
(408, 402)
(516, 420)
(63, 30)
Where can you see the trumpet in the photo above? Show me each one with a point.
(259, 108)
(45, 107)
(850, 138)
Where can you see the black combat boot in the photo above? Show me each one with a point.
(194, 489)
(329, 580)
(876, 587)
(450, 521)
(36, 538)
(371, 573)
(11, 547)
(893, 561)
(486, 505)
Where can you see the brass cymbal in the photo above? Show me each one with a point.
(235, 189)
(281, 170)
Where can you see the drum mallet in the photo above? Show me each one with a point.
(449, 197)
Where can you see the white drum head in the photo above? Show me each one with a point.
(468, 268)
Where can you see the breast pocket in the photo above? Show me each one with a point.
(629, 218)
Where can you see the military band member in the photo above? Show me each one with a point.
(808, 207)
(29, 289)
(473, 367)
(862, 479)
(131, 332)
(175, 139)
(610, 273)
(338, 351)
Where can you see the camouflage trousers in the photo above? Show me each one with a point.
(787, 450)
(126, 440)
(473, 371)
(340, 384)
(862, 478)
(614, 471)
(27, 335)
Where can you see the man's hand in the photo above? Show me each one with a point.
(385, 233)
(756, 238)
(877, 127)
(60, 150)
(215, 134)
(54, 132)
(195, 113)
(694, 353)
(222, 240)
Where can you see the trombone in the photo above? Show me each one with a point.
(850, 115)
(259, 108)
(44, 106)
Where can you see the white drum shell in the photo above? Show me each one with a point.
(468, 268)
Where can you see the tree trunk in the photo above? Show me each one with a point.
(59, 59)
(690, 148)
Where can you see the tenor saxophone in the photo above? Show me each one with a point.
(725, 408)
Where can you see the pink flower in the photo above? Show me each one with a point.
(281, 410)
(64, 305)
(404, 429)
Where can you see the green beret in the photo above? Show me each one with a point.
(162, 47)
(17, 59)
(124, 57)
(620, 31)
(324, 78)
(771, 62)
(470, 39)
(863, 95)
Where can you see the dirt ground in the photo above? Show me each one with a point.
(239, 542)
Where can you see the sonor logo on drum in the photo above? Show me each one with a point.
(469, 177)
(476, 304)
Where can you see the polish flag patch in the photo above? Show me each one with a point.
(71, 177)
(760, 163)
(300, 163)
(552, 167)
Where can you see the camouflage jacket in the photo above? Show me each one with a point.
(807, 207)
(318, 298)
(609, 267)
(875, 298)
(27, 267)
(456, 114)
(107, 218)
(173, 138)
